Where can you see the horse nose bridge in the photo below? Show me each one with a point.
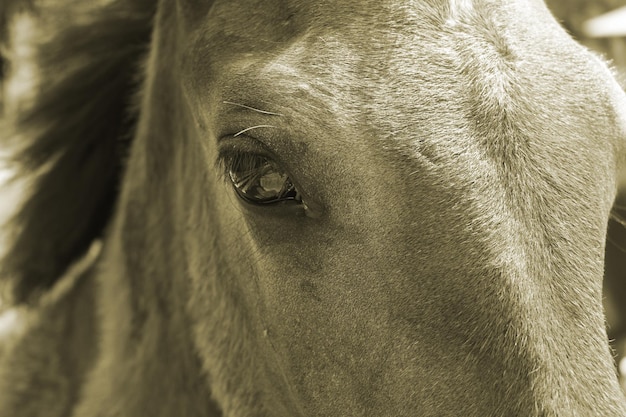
(552, 300)
(494, 249)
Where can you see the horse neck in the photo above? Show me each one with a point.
(144, 329)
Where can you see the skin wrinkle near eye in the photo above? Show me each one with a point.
(273, 86)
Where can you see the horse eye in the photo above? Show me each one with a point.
(260, 180)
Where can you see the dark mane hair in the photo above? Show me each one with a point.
(70, 141)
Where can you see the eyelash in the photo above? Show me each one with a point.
(229, 159)
(225, 162)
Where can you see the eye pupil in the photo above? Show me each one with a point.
(262, 181)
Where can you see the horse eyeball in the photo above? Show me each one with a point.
(260, 180)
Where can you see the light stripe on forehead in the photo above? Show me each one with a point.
(458, 8)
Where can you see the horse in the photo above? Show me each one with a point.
(308, 208)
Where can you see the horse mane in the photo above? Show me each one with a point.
(69, 139)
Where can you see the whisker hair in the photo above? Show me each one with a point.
(250, 128)
(253, 108)
(618, 218)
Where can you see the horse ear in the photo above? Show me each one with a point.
(69, 138)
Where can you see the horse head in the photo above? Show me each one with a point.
(356, 208)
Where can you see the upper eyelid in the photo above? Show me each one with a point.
(224, 161)
(243, 139)
(232, 146)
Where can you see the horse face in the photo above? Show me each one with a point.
(389, 208)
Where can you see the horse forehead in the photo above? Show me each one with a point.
(361, 23)
(379, 40)
(401, 47)
(389, 66)
(393, 62)
(346, 12)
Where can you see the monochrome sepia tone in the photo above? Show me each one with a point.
(290, 208)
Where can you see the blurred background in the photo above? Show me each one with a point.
(576, 16)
